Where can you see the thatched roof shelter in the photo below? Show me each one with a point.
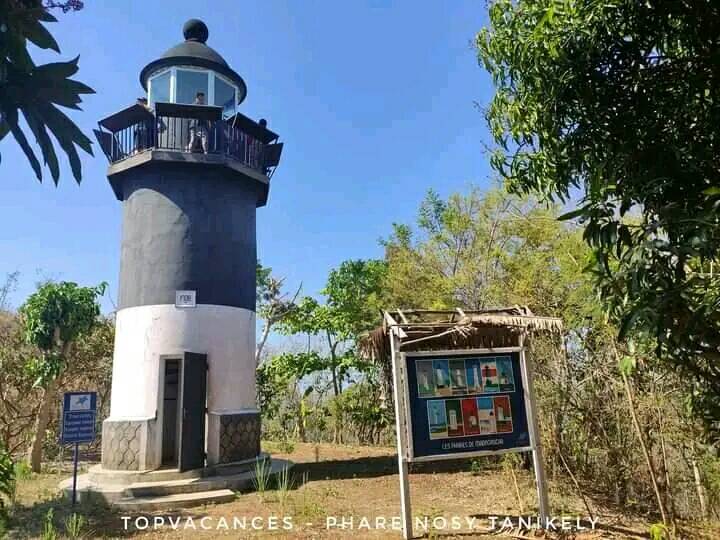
(444, 329)
(429, 330)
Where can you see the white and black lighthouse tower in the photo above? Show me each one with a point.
(190, 171)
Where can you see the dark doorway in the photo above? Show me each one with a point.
(171, 399)
(194, 397)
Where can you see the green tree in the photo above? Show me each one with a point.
(37, 91)
(53, 319)
(481, 249)
(272, 305)
(353, 294)
(616, 103)
(484, 249)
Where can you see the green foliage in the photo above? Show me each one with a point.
(274, 375)
(616, 101)
(284, 482)
(353, 293)
(485, 249)
(60, 311)
(53, 317)
(360, 404)
(23, 470)
(272, 303)
(262, 278)
(7, 479)
(353, 302)
(286, 446)
(261, 478)
(37, 91)
(658, 531)
(49, 531)
(74, 525)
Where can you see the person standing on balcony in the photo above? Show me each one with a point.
(198, 128)
(142, 134)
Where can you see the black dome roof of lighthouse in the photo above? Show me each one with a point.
(194, 52)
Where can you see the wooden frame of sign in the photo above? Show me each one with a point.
(403, 421)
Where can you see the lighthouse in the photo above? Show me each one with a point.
(190, 171)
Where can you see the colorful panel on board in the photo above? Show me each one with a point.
(425, 379)
(441, 373)
(437, 419)
(470, 416)
(506, 380)
(466, 403)
(472, 376)
(457, 377)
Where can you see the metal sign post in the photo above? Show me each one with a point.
(400, 429)
(78, 425)
(538, 463)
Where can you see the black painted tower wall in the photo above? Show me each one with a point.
(188, 227)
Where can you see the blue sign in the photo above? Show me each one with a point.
(466, 404)
(79, 410)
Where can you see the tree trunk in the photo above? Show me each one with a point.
(34, 455)
(698, 485)
(669, 495)
(301, 421)
(263, 340)
(336, 390)
(643, 446)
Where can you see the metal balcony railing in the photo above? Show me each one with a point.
(188, 128)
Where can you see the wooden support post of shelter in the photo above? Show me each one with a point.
(422, 344)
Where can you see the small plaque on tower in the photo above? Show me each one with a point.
(185, 299)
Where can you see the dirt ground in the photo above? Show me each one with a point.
(347, 492)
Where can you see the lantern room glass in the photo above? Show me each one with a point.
(224, 96)
(160, 88)
(189, 84)
(182, 84)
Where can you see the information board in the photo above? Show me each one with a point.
(79, 410)
(464, 404)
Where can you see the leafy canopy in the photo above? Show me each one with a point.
(353, 296)
(53, 317)
(37, 91)
(353, 293)
(616, 102)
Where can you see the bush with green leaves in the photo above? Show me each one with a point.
(74, 525)
(365, 414)
(7, 484)
(49, 532)
(53, 319)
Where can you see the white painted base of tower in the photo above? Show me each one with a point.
(148, 335)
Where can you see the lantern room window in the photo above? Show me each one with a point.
(182, 84)
(224, 95)
(189, 83)
(159, 88)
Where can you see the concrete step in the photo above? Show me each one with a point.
(238, 482)
(175, 501)
(98, 475)
(238, 467)
(192, 485)
(152, 493)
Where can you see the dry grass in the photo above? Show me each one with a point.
(332, 480)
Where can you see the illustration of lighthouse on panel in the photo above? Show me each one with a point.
(190, 170)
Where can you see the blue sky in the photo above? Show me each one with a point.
(374, 100)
